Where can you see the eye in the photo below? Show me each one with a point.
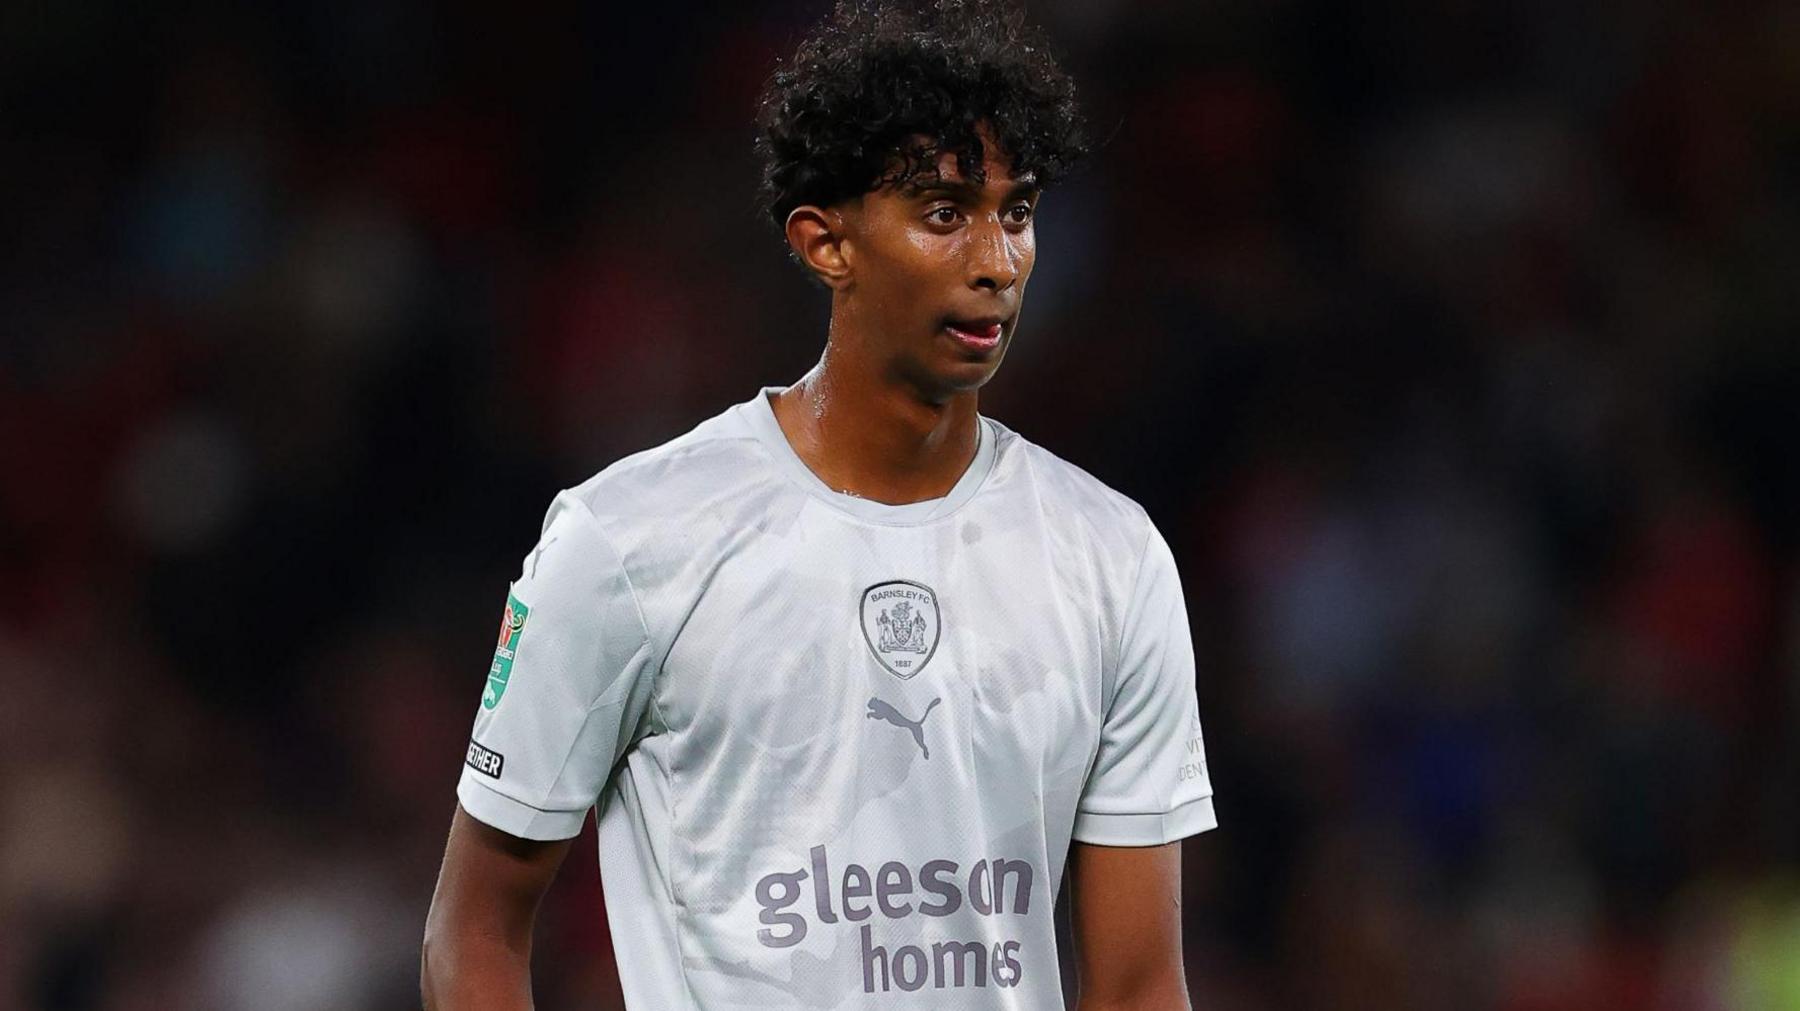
(1019, 213)
(944, 215)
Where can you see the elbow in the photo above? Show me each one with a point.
(433, 957)
(427, 993)
(1150, 991)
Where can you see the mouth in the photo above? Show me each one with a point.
(978, 334)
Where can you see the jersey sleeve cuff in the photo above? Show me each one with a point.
(491, 807)
(1192, 818)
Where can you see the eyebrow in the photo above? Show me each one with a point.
(1025, 186)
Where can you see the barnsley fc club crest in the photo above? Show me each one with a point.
(900, 623)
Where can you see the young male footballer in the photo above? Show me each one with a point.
(845, 670)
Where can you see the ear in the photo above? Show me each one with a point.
(818, 237)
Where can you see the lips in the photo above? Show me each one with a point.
(977, 334)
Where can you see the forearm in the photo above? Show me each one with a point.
(465, 967)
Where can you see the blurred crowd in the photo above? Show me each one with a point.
(1452, 345)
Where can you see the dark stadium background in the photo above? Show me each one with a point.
(1453, 344)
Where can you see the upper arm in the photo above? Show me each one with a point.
(491, 881)
(1126, 908)
(477, 951)
(568, 688)
(1149, 783)
(1148, 788)
(566, 694)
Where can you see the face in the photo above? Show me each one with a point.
(936, 271)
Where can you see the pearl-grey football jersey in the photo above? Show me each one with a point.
(838, 749)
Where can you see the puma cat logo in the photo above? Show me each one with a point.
(879, 710)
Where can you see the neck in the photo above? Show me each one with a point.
(867, 431)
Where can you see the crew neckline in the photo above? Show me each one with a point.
(759, 411)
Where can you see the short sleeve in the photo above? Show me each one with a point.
(567, 688)
(1149, 784)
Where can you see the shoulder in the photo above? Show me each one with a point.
(1100, 536)
(670, 514)
(1069, 497)
(693, 473)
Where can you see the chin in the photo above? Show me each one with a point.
(971, 374)
(940, 380)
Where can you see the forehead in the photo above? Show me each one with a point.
(942, 170)
(996, 165)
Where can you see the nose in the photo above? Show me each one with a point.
(993, 262)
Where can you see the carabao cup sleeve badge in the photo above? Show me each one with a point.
(512, 628)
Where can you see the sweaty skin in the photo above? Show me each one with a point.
(1125, 907)
(477, 951)
(888, 414)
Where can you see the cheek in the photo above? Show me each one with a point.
(934, 260)
(891, 270)
(923, 261)
(920, 246)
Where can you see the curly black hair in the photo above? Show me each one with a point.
(880, 90)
